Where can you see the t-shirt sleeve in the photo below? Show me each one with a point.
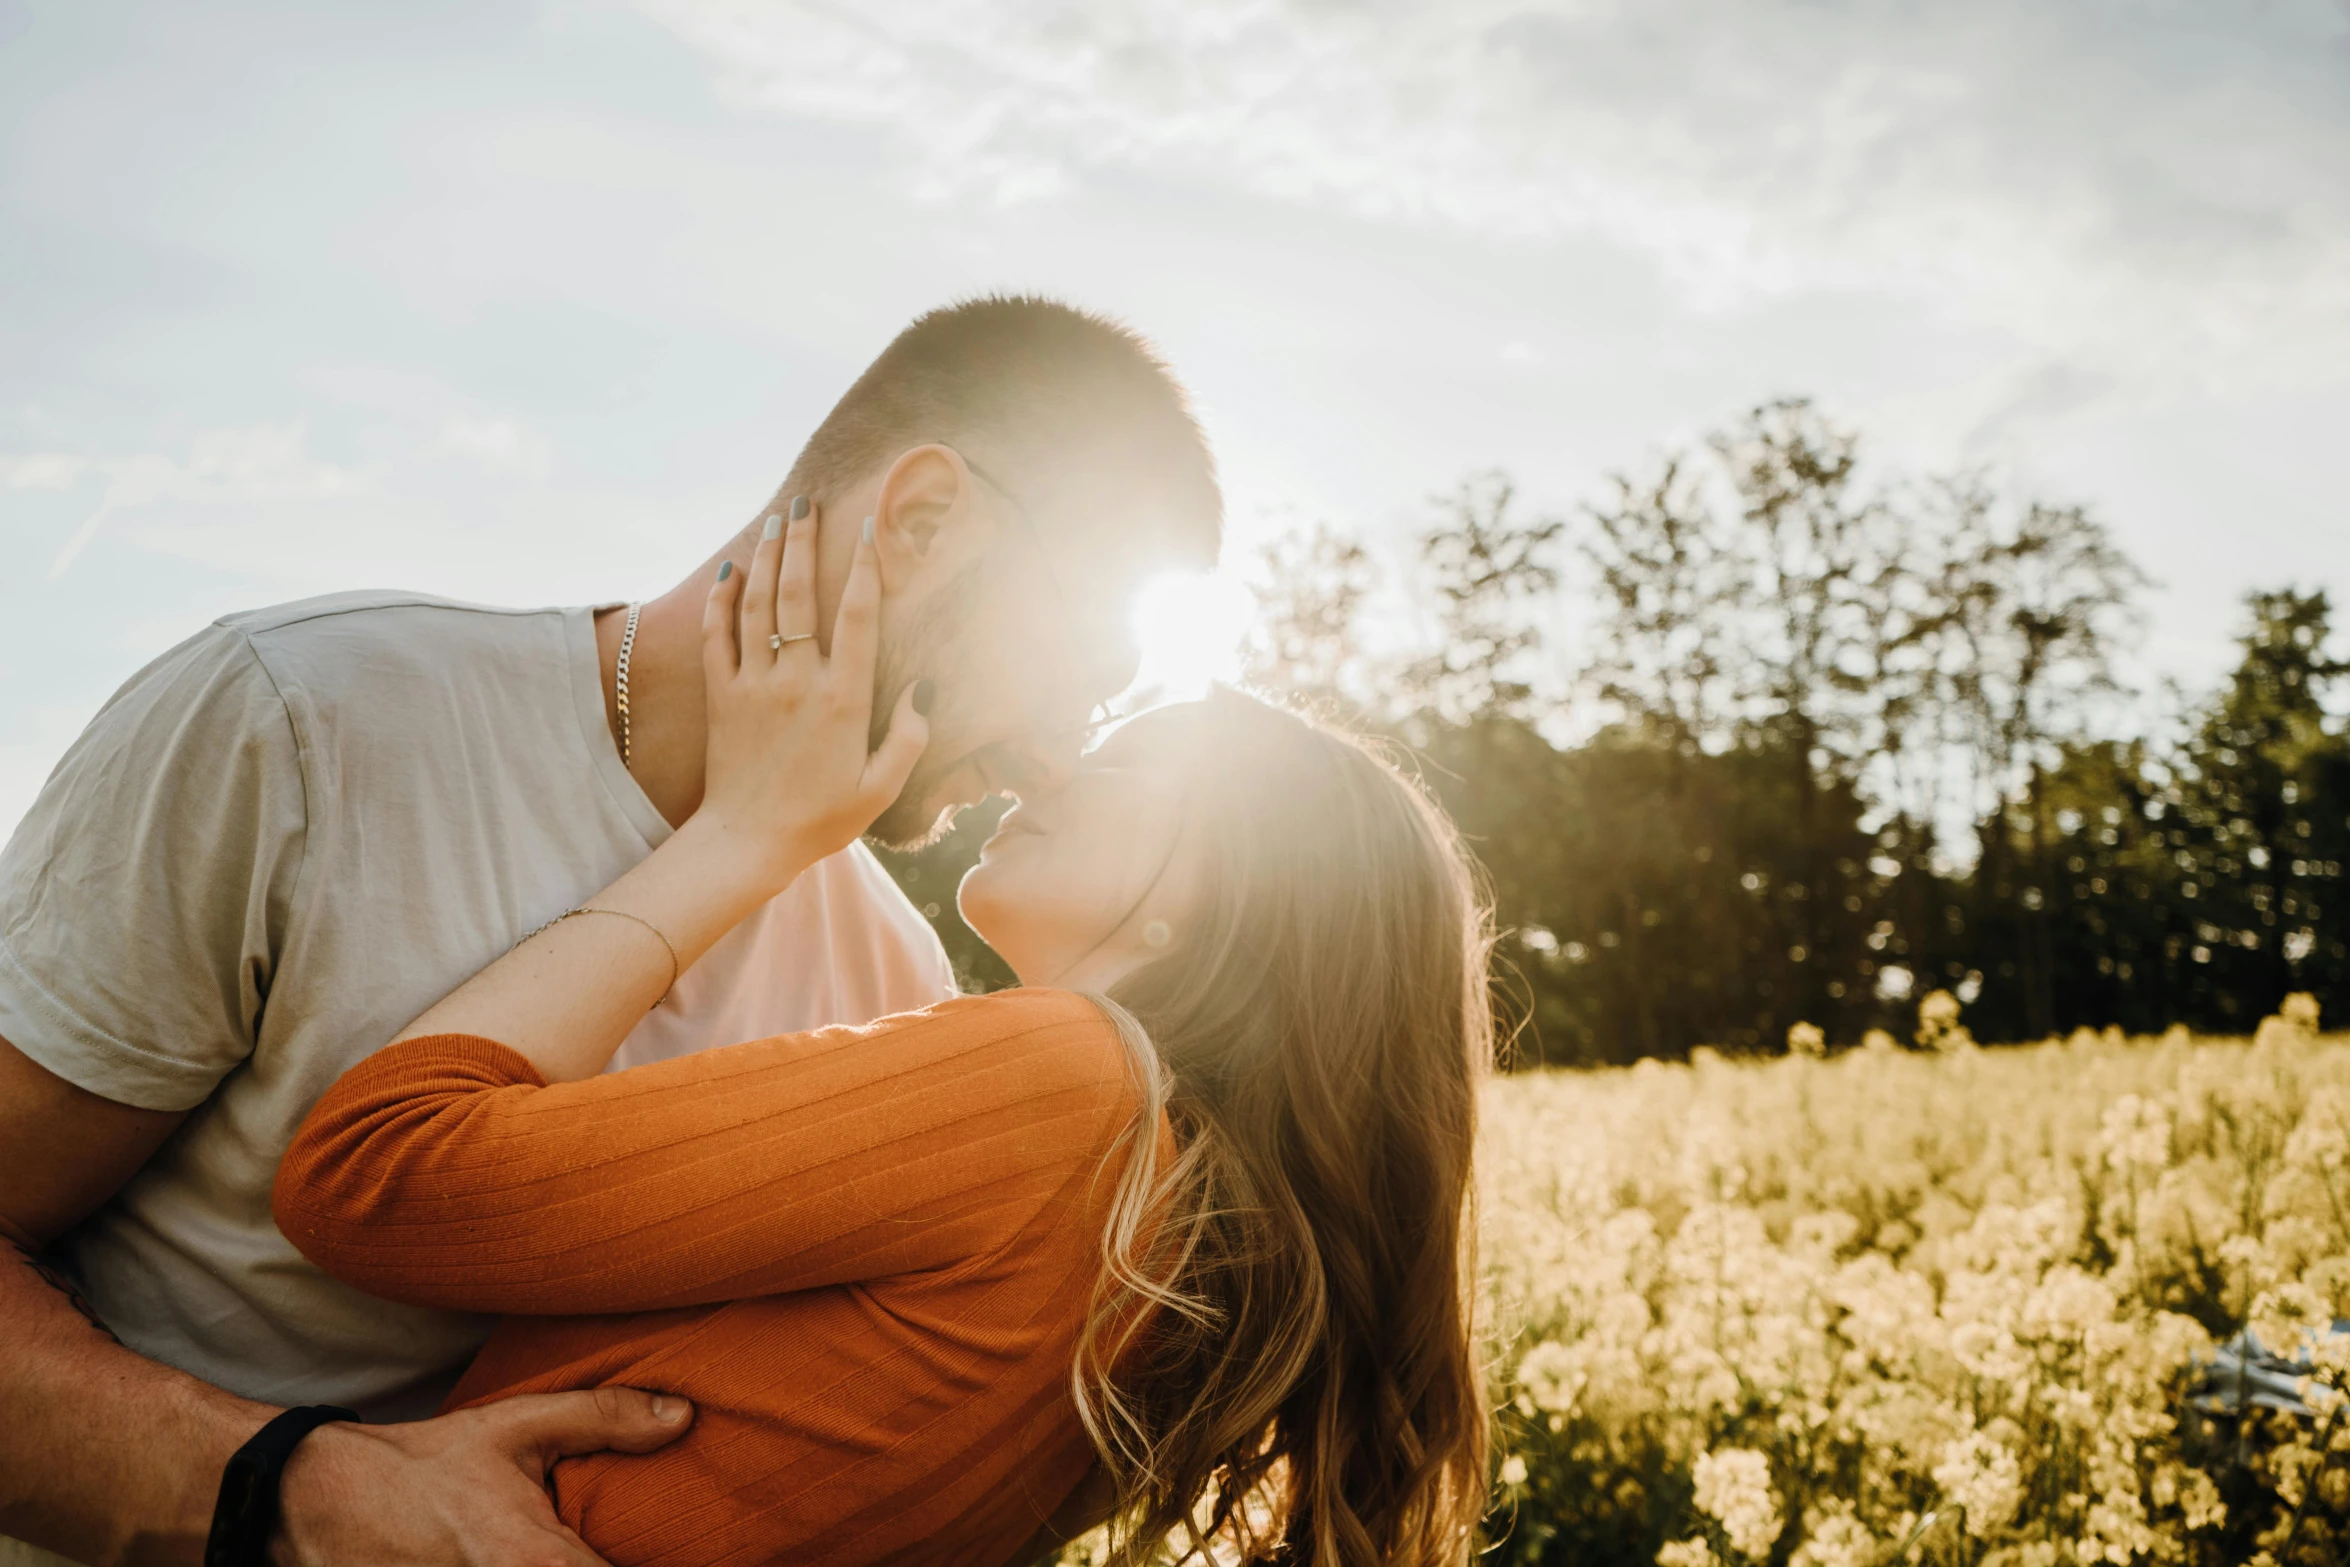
(442, 1172)
(144, 898)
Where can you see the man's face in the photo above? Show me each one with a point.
(1024, 644)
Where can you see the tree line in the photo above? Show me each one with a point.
(1763, 736)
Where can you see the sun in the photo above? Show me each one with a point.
(1189, 625)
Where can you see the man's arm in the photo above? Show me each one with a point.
(108, 1457)
(105, 1456)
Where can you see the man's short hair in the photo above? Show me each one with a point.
(1063, 406)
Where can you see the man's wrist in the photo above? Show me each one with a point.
(314, 1492)
(245, 1518)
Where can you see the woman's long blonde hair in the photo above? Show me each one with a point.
(1278, 1363)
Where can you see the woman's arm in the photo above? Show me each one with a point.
(788, 782)
(441, 1173)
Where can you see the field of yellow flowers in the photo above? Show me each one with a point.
(1939, 1305)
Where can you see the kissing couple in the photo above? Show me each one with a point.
(467, 1095)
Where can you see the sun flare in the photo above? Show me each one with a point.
(1189, 625)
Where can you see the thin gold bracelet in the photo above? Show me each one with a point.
(675, 968)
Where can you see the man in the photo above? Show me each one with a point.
(285, 838)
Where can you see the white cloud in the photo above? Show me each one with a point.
(2160, 191)
(263, 460)
(259, 462)
(41, 471)
(500, 445)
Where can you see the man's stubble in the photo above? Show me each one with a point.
(934, 648)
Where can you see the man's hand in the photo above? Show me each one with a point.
(467, 1488)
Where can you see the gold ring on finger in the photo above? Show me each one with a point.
(778, 642)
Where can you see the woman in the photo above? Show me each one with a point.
(1186, 1213)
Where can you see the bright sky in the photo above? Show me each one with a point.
(533, 302)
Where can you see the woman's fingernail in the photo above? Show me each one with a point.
(799, 507)
(868, 534)
(924, 693)
(725, 570)
(774, 527)
(669, 1411)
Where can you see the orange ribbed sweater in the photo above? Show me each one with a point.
(864, 1253)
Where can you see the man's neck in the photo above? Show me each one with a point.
(667, 722)
(669, 727)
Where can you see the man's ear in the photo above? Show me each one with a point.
(919, 516)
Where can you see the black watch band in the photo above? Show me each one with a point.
(246, 1513)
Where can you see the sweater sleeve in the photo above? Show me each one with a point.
(445, 1172)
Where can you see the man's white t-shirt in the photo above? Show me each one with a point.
(269, 852)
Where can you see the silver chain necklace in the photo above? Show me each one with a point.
(627, 644)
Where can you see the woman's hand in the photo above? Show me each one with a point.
(791, 775)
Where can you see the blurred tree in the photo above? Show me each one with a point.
(1305, 645)
(1816, 562)
(2198, 887)
(1858, 745)
(2108, 911)
(2264, 808)
(1831, 614)
(2041, 605)
(1488, 573)
(1666, 571)
(1756, 599)
(1653, 899)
